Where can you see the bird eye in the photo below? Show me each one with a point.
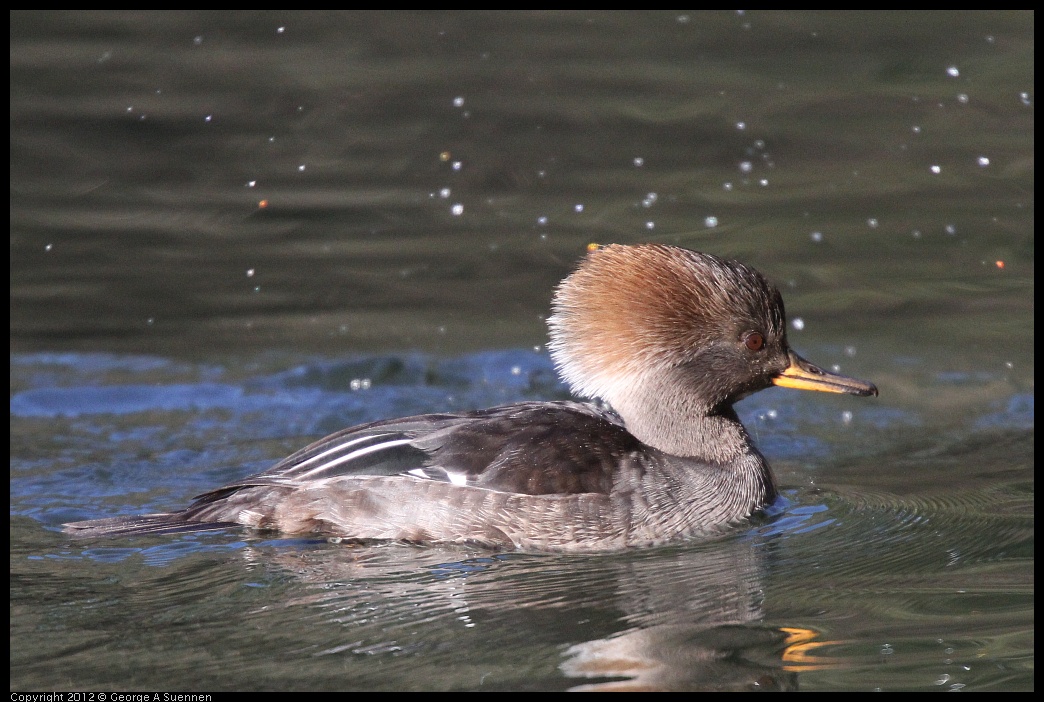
(754, 341)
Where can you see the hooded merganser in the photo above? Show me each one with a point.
(668, 338)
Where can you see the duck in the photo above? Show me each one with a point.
(656, 342)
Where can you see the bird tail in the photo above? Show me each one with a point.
(165, 523)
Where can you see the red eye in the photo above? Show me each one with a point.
(754, 341)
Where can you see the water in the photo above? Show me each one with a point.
(170, 334)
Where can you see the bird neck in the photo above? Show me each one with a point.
(690, 431)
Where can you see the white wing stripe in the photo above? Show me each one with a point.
(340, 447)
(351, 456)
